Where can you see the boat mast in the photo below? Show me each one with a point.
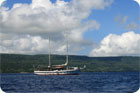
(49, 54)
(67, 57)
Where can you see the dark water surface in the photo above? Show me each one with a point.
(86, 82)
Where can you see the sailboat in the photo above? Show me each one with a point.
(62, 69)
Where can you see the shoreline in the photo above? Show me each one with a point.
(81, 72)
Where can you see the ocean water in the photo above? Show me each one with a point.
(86, 82)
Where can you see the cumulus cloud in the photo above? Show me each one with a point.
(36, 44)
(25, 27)
(24, 44)
(42, 16)
(118, 45)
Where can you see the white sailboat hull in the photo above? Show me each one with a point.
(62, 69)
(75, 71)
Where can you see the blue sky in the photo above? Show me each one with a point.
(106, 19)
(119, 17)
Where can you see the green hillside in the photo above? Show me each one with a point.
(16, 63)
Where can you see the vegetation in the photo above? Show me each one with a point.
(16, 63)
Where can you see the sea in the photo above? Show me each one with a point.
(86, 82)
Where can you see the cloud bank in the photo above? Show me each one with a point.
(118, 45)
(25, 27)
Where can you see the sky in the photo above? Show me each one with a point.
(91, 27)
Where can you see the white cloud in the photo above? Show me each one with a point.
(42, 18)
(25, 44)
(118, 45)
(37, 44)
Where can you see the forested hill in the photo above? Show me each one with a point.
(16, 63)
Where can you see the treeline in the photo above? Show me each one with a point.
(16, 63)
